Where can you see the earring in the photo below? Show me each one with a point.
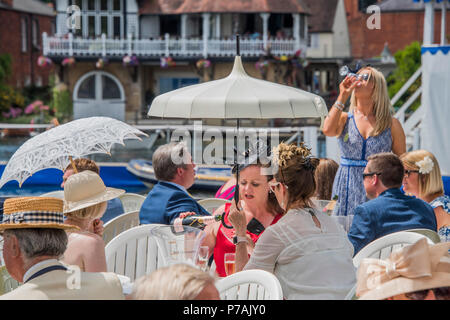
(282, 204)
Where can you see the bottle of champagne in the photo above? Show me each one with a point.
(197, 221)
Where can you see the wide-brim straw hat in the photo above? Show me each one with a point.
(34, 212)
(413, 268)
(85, 189)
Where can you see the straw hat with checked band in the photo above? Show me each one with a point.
(34, 212)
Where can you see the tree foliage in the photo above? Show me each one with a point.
(408, 61)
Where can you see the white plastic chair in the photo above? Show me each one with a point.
(382, 248)
(211, 204)
(351, 295)
(433, 235)
(54, 194)
(250, 285)
(134, 252)
(131, 201)
(119, 224)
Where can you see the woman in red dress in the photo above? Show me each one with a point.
(257, 202)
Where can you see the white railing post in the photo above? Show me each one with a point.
(205, 17)
(70, 44)
(218, 32)
(443, 22)
(129, 44)
(265, 17)
(296, 30)
(103, 45)
(44, 44)
(167, 38)
(183, 31)
(416, 144)
(405, 87)
(428, 24)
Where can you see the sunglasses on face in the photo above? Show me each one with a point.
(369, 174)
(408, 172)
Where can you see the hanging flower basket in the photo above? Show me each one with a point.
(67, 62)
(44, 62)
(203, 63)
(130, 61)
(100, 64)
(167, 62)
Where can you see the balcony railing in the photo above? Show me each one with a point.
(104, 47)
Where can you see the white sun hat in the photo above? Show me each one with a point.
(86, 189)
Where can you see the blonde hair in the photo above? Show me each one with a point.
(430, 183)
(296, 170)
(91, 212)
(382, 107)
(176, 282)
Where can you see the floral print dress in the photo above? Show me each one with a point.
(444, 202)
(348, 184)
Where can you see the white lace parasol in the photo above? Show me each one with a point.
(76, 139)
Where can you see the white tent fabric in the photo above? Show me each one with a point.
(238, 96)
(436, 101)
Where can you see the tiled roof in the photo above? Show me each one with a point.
(238, 6)
(31, 6)
(322, 13)
(403, 5)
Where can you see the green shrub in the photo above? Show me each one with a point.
(62, 101)
(408, 61)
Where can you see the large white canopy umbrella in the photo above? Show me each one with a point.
(238, 96)
(56, 147)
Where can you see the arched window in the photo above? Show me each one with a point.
(99, 93)
(99, 86)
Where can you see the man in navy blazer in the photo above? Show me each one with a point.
(173, 167)
(389, 210)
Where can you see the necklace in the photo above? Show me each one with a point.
(363, 115)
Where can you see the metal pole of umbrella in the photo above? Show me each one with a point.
(236, 190)
(236, 160)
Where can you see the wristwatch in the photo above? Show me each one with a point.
(237, 239)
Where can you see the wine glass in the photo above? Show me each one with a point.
(203, 257)
(230, 263)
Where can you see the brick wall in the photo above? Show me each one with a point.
(24, 64)
(398, 29)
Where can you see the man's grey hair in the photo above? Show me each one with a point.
(37, 242)
(168, 158)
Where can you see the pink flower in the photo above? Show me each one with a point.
(15, 112)
(29, 109)
(34, 105)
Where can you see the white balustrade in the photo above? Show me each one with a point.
(103, 46)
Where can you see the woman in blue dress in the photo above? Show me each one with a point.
(423, 179)
(367, 128)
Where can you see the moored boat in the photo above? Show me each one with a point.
(208, 177)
